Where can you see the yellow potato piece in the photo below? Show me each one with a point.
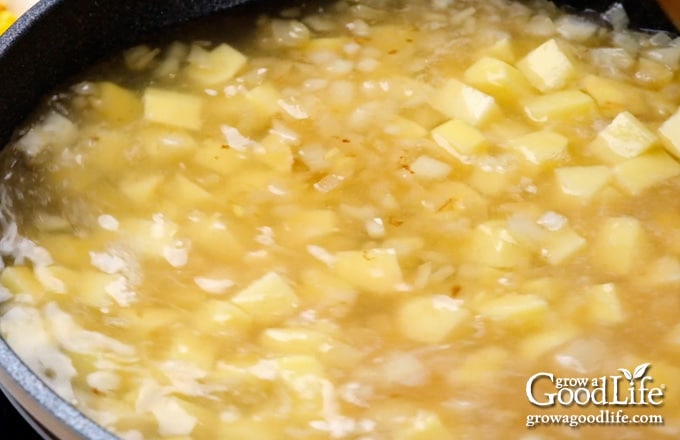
(373, 270)
(626, 137)
(431, 319)
(458, 138)
(173, 108)
(460, 101)
(268, 299)
(499, 79)
(560, 105)
(670, 134)
(210, 68)
(547, 67)
(540, 147)
(619, 245)
(604, 306)
(637, 175)
(491, 244)
(117, 104)
(582, 181)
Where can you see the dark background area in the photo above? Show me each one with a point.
(12, 422)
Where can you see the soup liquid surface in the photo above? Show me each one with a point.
(367, 220)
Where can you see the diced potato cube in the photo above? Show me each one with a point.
(560, 105)
(146, 237)
(643, 172)
(431, 319)
(209, 68)
(582, 181)
(277, 153)
(333, 44)
(186, 192)
(117, 104)
(613, 96)
(326, 292)
(21, 280)
(619, 245)
(308, 224)
(663, 272)
(193, 347)
(547, 67)
(173, 108)
(373, 270)
(424, 426)
(459, 138)
(540, 147)
(457, 197)
(480, 366)
(264, 100)
(459, 101)
(214, 237)
(501, 131)
(304, 377)
(498, 79)
(503, 49)
(110, 153)
(492, 244)
(250, 112)
(550, 288)
(427, 167)
(561, 245)
(405, 128)
(515, 310)
(670, 134)
(624, 138)
(652, 74)
(220, 317)
(603, 304)
(268, 300)
(141, 189)
(541, 342)
(490, 182)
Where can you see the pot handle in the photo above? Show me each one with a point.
(672, 10)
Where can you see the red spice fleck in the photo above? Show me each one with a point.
(446, 204)
(455, 291)
(407, 168)
(395, 221)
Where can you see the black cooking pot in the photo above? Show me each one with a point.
(58, 38)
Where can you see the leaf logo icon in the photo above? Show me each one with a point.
(627, 374)
(640, 371)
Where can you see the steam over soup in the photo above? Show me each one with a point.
(368, 220)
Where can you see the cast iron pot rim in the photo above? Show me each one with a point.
(10, 362)
(14, 372)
